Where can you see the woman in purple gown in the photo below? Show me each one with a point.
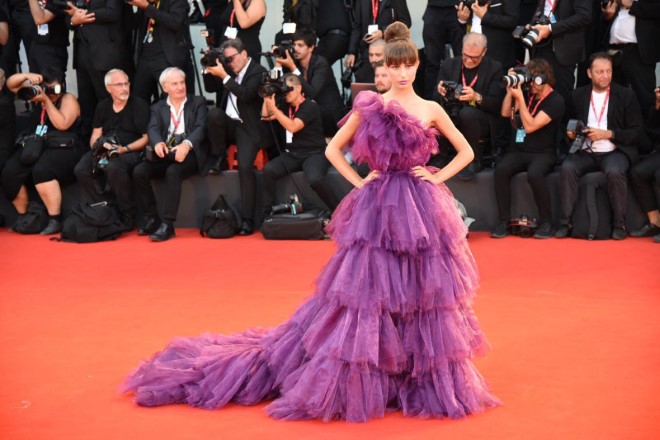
(390, 324)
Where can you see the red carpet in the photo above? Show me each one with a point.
(574, 327)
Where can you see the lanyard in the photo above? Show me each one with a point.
(231, 18)
(292, 113)
(43, 115)
(150, 24)
(374, 9)
(474, 81)
(533, 112)
(602, 110)
(176, 120)
(553, 5)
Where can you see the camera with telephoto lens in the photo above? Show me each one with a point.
(104, 149)
(523, 76)
(293, 206)
(30, 92)
(526, 34)
(580, 129)
(211, 54)
(347, 76)
(273, 83)
(280, 51)
(523, 226)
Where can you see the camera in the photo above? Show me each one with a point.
(523, 226)
(580, 129)
(30, 92)
(293, 206)
(468, 3)
(530, 36)
(104, 149)
(523, 76)
(452, 98)
(273, 83)
(281, 50)
(211, 56)
(347, 76)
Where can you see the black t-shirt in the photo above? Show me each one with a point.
(544, 139)
(57, 33)
(129, 124)
(310, 138)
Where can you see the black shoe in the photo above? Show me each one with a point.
(218, 164)
(500, 230)
(469, 171)
(127, 222)
(656, 238)
(564, 231)
(53, 227)
(619, 234)
(164, 232)
(544, 231)
(647, 230)
(150, 226)
(247, 228)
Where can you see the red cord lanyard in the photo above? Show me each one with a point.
(292, 113)
(533, 112)
(374, 9)
(602, 110)
(231, 18)
(43, 115)
(474, 81)
(150, 24)
(176, 120)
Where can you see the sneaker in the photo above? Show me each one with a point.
(544, 231)
(564, 231)
(53, 227)
(500, 230)
(619, 234)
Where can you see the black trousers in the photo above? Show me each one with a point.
(53, 164)
(224, 131)
(475, 125)
(440, 28)
(315, 167)
(145, 83)
(91, 88)
(22, 29)
(538, 166)
(641, 76)
(118, 174)
(614, 164)
(645, 181)
(332, 46)
(174, 173)
(44, 55)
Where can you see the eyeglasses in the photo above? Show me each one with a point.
(122, 84)
(473, 57)
(230, 58)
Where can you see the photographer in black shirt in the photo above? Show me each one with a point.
(536, 119)
(305, 144)
(119, 135)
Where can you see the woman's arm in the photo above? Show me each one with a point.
(254, 12)
(64, 117)
(334, 150)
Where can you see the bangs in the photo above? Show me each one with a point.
(400, 52)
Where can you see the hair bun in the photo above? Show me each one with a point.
(396, 31)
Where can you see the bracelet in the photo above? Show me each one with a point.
(128, 150)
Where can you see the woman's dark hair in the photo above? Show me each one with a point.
(399, 49)
(53, 74)
(538, 66)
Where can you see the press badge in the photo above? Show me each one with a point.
(289, 28)
(552, 18)
(231, 32)
(41, 130)
(42, 29)
(289, 137)
(372, 28)
(520, 135)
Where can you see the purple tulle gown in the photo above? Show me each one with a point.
(390, 324)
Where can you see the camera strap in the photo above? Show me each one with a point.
(473, 82)
(374, 9)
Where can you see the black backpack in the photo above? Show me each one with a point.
(33, 221)
(220, 221)
(91, 223)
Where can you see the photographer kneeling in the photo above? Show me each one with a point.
(305, 144)
(52, 124)
(119, 135)
(536, 123)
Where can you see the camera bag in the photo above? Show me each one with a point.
(33, 221)
(31, 148)
(307, 225)
(91, 223)
(219, 221)
(592, 216)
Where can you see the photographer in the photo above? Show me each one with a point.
(237, 120)
(318, 81)
(53, 119)
(177, 129)
(614, 129)
(474, 102)
(536, 119)
(305, 144)
(229, 19)
(496, 20)
(120, 124)
(50, 42)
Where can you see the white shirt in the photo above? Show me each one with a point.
(176, 116)
(232, 106)
(623, 28)
(604, 145)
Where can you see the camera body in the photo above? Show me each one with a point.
(211, 56)
(453, 103)
(281, 50)
(30, 92)
(523, 226)
(293, 206)
(580, 129)
(272, 83)
(521, 77)
(528, 36)
(104, 149)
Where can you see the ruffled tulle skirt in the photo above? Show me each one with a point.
(389, 326)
